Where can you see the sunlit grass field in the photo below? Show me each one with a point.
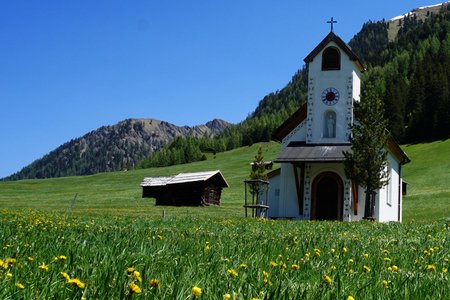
(54, 256)
(109, 243)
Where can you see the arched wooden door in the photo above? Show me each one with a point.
(327, 194)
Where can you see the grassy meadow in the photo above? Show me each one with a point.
(112, 244)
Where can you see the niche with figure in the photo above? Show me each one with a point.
(329, 124)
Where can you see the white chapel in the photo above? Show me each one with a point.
(311, 182)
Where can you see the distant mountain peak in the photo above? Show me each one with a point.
(113, 148)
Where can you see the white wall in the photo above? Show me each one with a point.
(347, 82)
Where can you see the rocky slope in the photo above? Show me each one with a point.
(113, 148)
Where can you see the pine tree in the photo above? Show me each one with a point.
(367, 162)
(259, 175)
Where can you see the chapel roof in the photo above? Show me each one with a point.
(300, 116)
(331, 37)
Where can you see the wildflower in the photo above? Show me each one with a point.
(366, 268)
(30, 258)
(227, 296)
(283, 266)
(196, 291)
(444, 270)
(327, 279)
(332, 250)
(43, 267)
(446, 260)
(273, 264)
(20, 286)
(317, 252)
(61, 257)
(295, 267)
(350, 298)
(135, 289)
(344, 250)
(394, 268)
(385, 284)
(130, 270)
(243, 266)
(387, 259)
(155, 283)
(159, 237)
(232, 272)
(351, 271)
(137, 276)
(350, 261)
(365, 256)
(385, 251)
(9, 275)
(65, 275)
(77, 282)
(431, 267)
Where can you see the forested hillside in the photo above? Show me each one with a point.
(410, 74)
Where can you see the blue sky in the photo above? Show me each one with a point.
(69, 67)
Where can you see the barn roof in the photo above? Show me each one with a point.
(184, 178)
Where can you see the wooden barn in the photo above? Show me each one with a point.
(185, 189)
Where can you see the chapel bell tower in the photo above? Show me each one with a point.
(334, 74)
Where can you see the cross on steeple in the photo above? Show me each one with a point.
(332, 21)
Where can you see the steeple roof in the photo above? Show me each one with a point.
(331, 37)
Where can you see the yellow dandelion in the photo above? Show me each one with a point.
(137, 276)
(344, 250)
(385, 284)
(431, 267)
(350, 298)
(273, 264)
(135, 289)
(76, 282)
(20, 286)
(43, 267)
(444, 270)
(243, 266)
(394, 268)
(159, 237)
(385, 251)
(351, 271)
(196, 291)
(389, 269)
(387, 259)
(232, 272)
(65, 275)
(130, 270)
(332, 250)
(155, 283)
(446, 260)
(9, 275)
(283, 266)
(327, 279)
(366, 268)
(366, 255)
(30, 258)
(227, 296)
(295, 267)
(350, 261)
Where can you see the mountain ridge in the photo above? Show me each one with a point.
(113, 147)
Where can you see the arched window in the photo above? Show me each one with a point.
(331, 59)
(329, 128)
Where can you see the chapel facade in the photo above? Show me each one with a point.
(311, 182)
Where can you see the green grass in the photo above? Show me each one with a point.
(111, 229)
(428, 177)
(246, 258)
(119, 193)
